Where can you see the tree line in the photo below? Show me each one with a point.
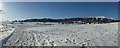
(71, 20)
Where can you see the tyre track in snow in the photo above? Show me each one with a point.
(36, 39)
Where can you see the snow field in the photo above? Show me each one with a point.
(30, 34)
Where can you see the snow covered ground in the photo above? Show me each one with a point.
(5, 33)
(32, 34)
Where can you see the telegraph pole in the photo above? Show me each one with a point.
(1, 10)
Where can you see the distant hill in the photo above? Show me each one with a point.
(73, 20)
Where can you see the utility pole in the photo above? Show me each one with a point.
(1, 10)
(1, 6)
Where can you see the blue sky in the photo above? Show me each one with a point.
(61, 0)
(27, 10)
